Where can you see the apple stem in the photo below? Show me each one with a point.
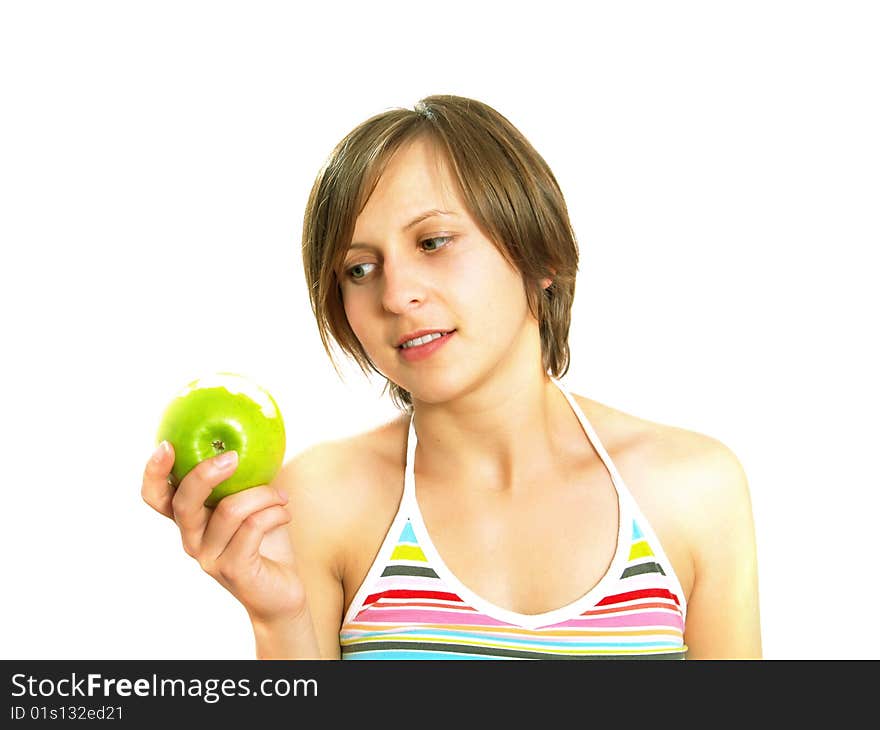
(218, 445)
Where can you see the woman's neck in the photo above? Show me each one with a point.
(502, 434)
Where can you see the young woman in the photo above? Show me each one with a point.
(500, 516)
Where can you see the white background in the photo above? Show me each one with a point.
(720, 162)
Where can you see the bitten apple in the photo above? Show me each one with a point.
(225, 412)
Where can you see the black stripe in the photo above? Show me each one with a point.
(643, 568)
(495, 652)
(409, 570)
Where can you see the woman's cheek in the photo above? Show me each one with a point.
(463, 277)
(356, 312)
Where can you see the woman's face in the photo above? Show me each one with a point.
(439, 274)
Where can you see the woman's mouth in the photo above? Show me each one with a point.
(422, 347)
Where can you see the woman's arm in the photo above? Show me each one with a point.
(723, 616)
(313, 482)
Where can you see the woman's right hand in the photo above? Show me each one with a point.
(243, 542)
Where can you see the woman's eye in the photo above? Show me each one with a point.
(358, 271)
(433, 242)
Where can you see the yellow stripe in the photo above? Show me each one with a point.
(640, 549)
(408, 552)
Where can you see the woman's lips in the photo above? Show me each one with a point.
(420, 352)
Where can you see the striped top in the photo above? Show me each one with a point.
(411, 606)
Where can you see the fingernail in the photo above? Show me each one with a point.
(227, 458)
(283, 495)
(160, 452)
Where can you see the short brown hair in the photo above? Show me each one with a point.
(509, 191)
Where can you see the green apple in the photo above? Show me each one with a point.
(225, 412)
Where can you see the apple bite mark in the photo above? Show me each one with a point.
(219, 414)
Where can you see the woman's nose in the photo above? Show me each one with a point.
(403, 285)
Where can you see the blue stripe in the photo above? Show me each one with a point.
(637, 533)
(408, 535)
(413, 654)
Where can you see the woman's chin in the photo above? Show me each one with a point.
(434, 388)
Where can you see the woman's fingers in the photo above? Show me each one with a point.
(188, 502)
(155, 489)
(229, 515)
(243, 549)
(225, 539)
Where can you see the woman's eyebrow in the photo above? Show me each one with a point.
(425, 215)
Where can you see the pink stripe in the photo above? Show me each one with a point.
(421, 615)
(647, 618)
(424, 616)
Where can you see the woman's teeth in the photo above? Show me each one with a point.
(421, 340)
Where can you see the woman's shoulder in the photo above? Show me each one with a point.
(380, 445)
(693, 474)
(346, 472)
(658, 446)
